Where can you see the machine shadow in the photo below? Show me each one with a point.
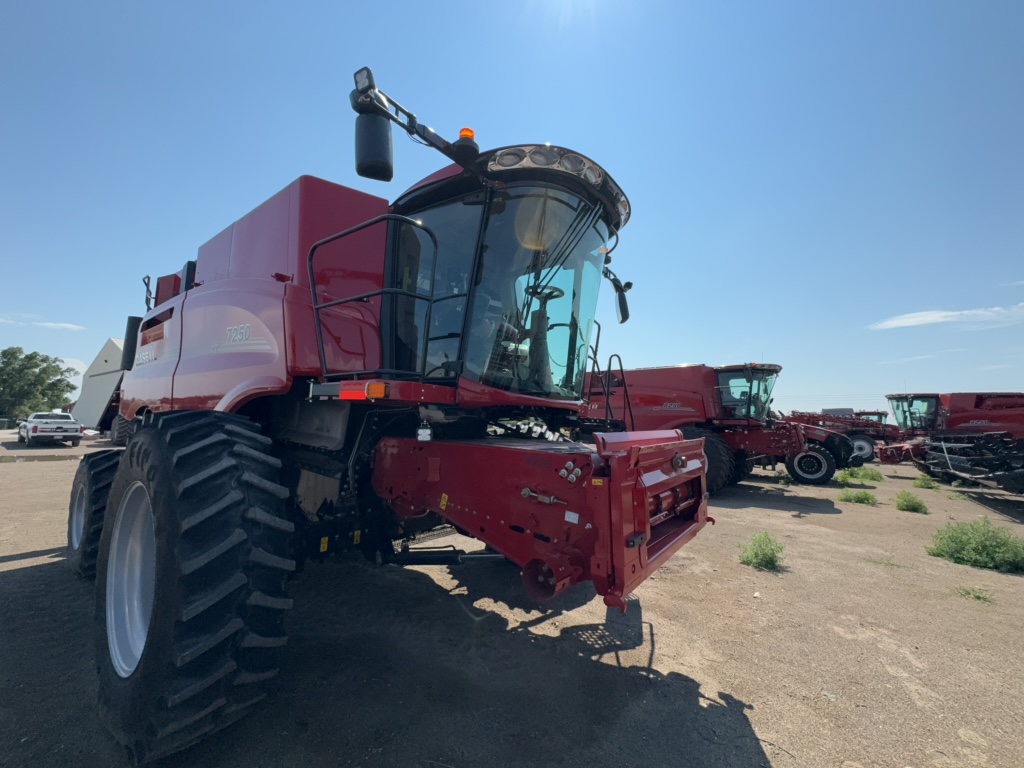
(772, 498)
(1000, 502)
(15, 447)
(385, 668)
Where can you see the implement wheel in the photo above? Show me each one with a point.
(88, 506)
(190, 595)
(721, 462)
(814, 466)
(864, 447)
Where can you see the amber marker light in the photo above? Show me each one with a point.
(377, 390)
(467, 133)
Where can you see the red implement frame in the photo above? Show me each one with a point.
(610, 513)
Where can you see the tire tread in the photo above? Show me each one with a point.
(229, 530)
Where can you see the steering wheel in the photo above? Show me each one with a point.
(544, 292)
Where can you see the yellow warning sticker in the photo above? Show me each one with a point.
(444, 500)
(597, 481)
(323, 544)
(357, 537)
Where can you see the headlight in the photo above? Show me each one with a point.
(573, 164)
(509, 158)
(543, 157)
(593, 174)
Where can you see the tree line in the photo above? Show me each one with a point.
(31, 381)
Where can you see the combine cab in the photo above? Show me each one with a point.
(334, 374)
(728, 407)
(964, 435)
(864, 428)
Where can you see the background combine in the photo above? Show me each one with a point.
(729, 407)
(864, 428)
(977, 436)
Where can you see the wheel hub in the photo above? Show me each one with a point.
(863, 449)
(131, 578)
(811, 465)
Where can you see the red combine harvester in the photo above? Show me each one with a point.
(864, 428)
(728, 407)
(976, 436)
(334, 373)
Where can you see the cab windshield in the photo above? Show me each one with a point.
(878, 417)
(915, 412)
(746, 394)
(513, 294)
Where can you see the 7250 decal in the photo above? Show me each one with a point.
(237, 333)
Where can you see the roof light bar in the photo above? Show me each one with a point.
(558, 159)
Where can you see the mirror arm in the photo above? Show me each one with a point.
(375, 102)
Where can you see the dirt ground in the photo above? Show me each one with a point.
(860, 653)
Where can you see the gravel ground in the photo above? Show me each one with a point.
(859, 653)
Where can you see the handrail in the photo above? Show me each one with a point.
(317, 305)
(628, 405)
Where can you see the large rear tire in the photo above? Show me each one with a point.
(864, 447)
(190, 594)
(88, 506)
(721, 461)
(814, 466)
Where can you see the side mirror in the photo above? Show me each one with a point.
(621, 306)
(374, 151)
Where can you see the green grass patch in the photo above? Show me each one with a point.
(980, 544)
(762, 551)
(843, 477)
(975, 593)
(783, 478)
(856, 475)
(957, 496)
(866, 473)
(908, 502)
(858, 497)
(925, 482)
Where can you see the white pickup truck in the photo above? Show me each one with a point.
(50, 427)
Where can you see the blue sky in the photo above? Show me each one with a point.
(835, 187)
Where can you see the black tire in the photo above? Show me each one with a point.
(202, 487)
(720, 459)
(87, 508)
(21, 437)
(121, 429)
(742, 468)
(814, 466)
(75, 443)
(863, 446)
